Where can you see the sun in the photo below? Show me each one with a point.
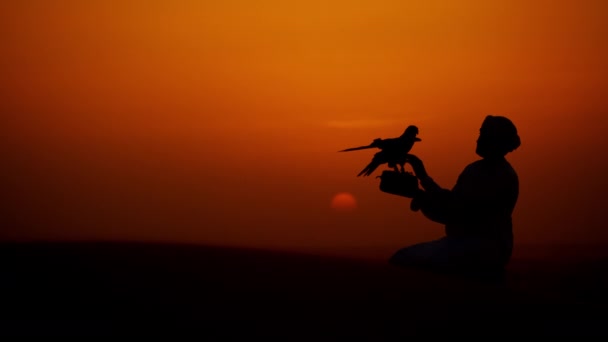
(343, 201)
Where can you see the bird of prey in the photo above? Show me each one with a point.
(393, 152)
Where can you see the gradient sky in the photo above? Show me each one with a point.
(219, 121)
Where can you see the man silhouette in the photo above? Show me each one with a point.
(476, 212)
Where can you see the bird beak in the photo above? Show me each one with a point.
(417, 139)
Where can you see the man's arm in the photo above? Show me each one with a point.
(432, 199)
(429, 185)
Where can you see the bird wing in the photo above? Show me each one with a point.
(378, 159)
(389, 143)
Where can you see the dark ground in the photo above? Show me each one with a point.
(127, 289)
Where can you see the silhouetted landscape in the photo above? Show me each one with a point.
(119, 289)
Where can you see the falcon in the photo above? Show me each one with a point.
(393, 151)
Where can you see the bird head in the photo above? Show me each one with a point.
(411, 132)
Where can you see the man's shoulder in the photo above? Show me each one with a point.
(476, 165)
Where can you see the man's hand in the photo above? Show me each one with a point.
(417, 165)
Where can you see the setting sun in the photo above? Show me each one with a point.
(343, 201)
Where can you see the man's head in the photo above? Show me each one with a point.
(497, 137)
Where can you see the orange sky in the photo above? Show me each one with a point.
(219, 121)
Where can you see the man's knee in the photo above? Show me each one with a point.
(400, 258)
(418, 255)
(434, 255)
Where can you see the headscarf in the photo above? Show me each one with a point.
(501, 132)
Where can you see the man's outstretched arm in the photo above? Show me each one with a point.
(432, 199)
